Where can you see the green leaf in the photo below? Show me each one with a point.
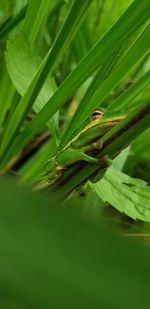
(5, 96)
(22, 63)
(130, 94)
(51, 257)
(128, 195)
(12, 22)
(119, 162)
(109, 11)
(34, 18)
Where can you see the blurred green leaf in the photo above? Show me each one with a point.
(52, 258)
(35, 167)
(128, 195)
(141, 146)
(111, 10)
(12, 22)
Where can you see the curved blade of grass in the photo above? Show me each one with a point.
(128, 24)
(34, 18)
(5, 97)
(131, 93)
(12, 23)
(73, 20)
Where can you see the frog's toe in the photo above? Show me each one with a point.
(107, 160)
(98, 145)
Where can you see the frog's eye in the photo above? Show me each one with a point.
(97, 114)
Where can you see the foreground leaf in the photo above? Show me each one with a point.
(129, 195)
(52, 258)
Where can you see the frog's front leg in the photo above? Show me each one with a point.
(72, 155)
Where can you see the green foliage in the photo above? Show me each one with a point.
(60, 62)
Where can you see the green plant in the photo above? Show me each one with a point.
(64, 66)
(53, 64)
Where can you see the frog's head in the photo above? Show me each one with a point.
(97, 114)
(100, 116)
(99, 123)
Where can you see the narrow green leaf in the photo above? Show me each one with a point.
(12, 23)
(5, 97)
(131, 93)
(34, 18)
